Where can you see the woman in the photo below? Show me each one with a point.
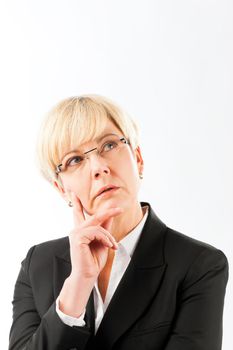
(122, 279)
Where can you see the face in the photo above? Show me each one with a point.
(122, 171)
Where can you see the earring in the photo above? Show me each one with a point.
(141, 176)
(70, 204)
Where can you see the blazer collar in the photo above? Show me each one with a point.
(149, 251)
(143, 273)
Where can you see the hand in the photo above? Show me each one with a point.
(90, 240)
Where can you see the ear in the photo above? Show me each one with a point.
(139, 159)
(57, 184)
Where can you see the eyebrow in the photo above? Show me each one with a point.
(97, 139)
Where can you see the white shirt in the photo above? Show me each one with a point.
(120, 263)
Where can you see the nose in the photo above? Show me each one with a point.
(98, 166)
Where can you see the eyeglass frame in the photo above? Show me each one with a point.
(122, 139)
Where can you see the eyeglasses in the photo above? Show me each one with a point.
(107, 148)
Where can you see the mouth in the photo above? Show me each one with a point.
(107, 190)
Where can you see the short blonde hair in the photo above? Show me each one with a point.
(77, 120)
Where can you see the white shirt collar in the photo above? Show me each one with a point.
(129, 242)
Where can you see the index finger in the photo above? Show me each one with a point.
(78, 214)
(102, 218)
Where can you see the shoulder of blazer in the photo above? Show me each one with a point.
(41, 256)
(177, 246)
(183, 253)
(178, 243)
(180, 252)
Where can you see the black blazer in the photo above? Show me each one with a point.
(170, 298)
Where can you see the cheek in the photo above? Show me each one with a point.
(82, 193)
(129, 166)
(129, 173)
(80, 189)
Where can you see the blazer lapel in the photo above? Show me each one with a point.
(62, 268)
(138, 286)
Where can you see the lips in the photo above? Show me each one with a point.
(106, 189)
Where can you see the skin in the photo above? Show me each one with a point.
(93, 240)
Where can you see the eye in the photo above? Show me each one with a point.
(108, 146)
(74, 161)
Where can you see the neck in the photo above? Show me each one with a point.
(126, 222)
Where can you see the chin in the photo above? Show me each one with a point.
(108, 203)
(113, 203)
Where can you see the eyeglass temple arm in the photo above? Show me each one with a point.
(58, 168)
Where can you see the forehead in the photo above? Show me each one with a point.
(107, 131)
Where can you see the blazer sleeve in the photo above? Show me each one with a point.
(198, 325)
(29, 331)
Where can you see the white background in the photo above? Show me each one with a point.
(169, 64)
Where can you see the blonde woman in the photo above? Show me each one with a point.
(122, 279)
